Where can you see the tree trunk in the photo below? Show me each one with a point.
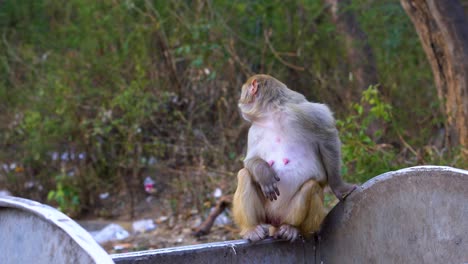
(443, 31)
(360, 56)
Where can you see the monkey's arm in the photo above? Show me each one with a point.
(319, 121)
(264, 176)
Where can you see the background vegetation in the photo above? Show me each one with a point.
(97, 95)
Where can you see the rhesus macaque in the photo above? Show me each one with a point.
(293, 151)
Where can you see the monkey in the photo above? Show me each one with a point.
(293, 152)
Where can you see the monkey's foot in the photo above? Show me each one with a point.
(255, 234)
(287, 232)
(344, 191)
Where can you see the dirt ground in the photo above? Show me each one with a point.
(170, 230)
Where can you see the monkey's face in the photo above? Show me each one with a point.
(247, 99)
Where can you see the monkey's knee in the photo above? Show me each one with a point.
(244, 177)
(306, 208)
(248, 205)
(315, 212)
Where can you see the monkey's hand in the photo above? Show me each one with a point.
(268, 184)
(265, 177)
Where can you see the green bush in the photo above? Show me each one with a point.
(362, 156)
(65, 195)
(150, 87)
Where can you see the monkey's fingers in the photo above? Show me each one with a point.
(266, 193)
(272, 195)
(274, 192)
(275, 187)
(269, 193)
(277, 178)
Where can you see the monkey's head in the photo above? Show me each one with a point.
(261, 94)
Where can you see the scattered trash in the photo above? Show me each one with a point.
(152, 160)
(222, 219)
(54, 155)
(186, 231)
(194, 212)
(217, 193)
(144, 225)
(162, 219)
(104, 196)
(29, 185)
(119, 247)
(149, 185)
(111, 232)
(197, 221)
(64, 156)
(5, 193)
(172, 221)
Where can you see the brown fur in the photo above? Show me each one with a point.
(275, 109)
(306, 210)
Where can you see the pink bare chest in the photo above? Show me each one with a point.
(285, 153)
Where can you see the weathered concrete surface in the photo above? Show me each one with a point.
(237, 251)
(415, 215)
(31, 232)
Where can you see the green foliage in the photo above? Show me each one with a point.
(147, 85)
(362, 156)
(65, 195)
(404, 71)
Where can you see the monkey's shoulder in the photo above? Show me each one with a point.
(313, 114)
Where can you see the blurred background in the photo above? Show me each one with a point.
(127, 109)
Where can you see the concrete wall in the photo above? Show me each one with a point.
(31, 232)
(415, 215)
(238, 251)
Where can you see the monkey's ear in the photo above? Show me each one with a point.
(253, 87)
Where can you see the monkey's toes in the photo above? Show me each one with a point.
(287, 232)
(255, 234)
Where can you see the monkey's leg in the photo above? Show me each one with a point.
(316, 212)
(305, 213)
(248, 207)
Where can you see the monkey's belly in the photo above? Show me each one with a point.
(277, 210)
(295, 164)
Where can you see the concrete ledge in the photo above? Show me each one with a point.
(414, 215)
(35, 233)
(236, 251)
